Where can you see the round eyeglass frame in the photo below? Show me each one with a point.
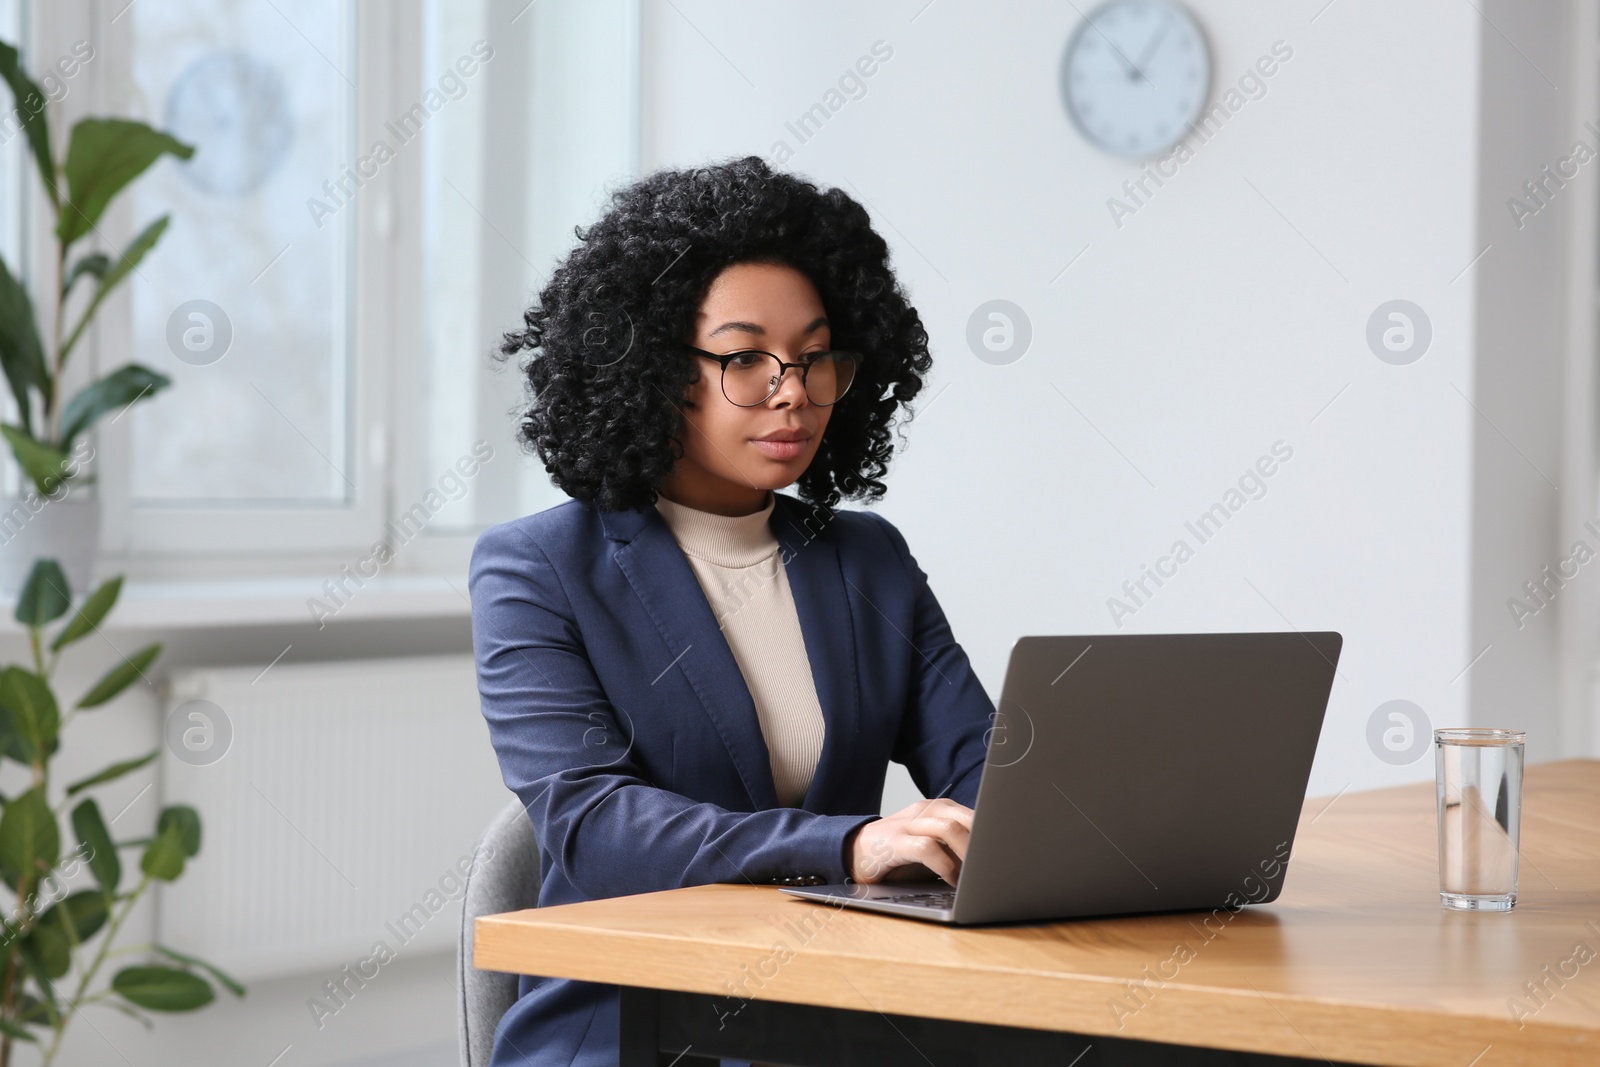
(777, 382)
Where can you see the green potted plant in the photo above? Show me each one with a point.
(55, 943)
(48, 437)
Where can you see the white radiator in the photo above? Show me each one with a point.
(350, 795)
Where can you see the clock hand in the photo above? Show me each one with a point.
(1133, 71)
(1150, 52)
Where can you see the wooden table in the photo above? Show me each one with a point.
(1356, 962)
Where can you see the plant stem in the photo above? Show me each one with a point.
(88, 976)
(8, 989)
(5, 1007)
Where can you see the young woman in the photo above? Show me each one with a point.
(688, 676)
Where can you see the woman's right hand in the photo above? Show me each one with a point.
(920, 841)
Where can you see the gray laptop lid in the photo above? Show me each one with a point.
(1145, 772)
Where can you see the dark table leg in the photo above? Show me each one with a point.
(661, 1028)
(641, 1037)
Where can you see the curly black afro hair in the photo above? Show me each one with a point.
(606, 373)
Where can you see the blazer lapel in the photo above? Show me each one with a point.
(665, 583)
(661, 576)
(817, 584)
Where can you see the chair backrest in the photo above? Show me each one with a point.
(507, 881)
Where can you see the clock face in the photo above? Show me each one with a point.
(1136, 75)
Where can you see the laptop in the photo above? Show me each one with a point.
(1130, 774)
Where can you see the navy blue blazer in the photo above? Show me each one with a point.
(622, 721)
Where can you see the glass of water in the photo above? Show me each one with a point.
(1479, 777)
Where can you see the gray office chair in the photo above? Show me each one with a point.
(508, 881)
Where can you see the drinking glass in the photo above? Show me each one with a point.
(1479, 777)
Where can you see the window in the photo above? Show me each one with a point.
(548, 126)
(246, 300)
(378, 191)
(248, 303)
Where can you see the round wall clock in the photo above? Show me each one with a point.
(1136, 75)
(236, 110)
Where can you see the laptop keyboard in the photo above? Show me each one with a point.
(938, 898)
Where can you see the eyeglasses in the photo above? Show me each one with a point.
(750, 376)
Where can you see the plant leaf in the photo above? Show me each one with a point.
(18, 1032)
(162, 988)
(120, 677)
(185, 822)
(29, 837)
(50, 1005)
(116, 770)
(93, 835)
(103, 156)
(32, 717)
(11, 743)
(21, 351)
(45, 464)
(108, 281)
(95, 264)
(90, 614)
(34, 1010)
(164, 856)
(45, 596)
(31, 109)
(232, 984)
(87, 910)
(47, 950)
(120, 387)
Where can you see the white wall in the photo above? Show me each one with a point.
(1221, 317)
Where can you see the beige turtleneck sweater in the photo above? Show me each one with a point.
(738, 564)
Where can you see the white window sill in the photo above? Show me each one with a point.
(238, 603)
